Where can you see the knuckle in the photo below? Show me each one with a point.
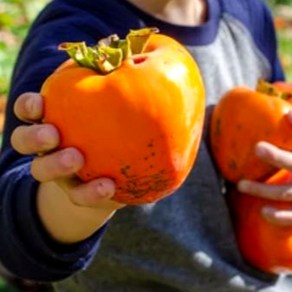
(20, 106)
(74, 200)
(46, 136)
(33, 139)
(17, 140)
(77, 196)
(286, 195)
(28, 106)
(44, 168)
(70, 160)
(84, 195)
(52, 166)
(14, 138)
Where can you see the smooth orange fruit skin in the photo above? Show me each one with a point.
(140, 125)
(242, 118)
(264, 245)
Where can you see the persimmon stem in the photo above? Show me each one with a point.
(109, 53)
(269, 89)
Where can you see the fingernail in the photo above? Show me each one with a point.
(67, 159)
(105, 188)
(243, 186)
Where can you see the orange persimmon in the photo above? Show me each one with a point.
(242, 118)
(263, 244)
(134, 108)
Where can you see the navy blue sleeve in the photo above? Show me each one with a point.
(257, 18)
(26, 250)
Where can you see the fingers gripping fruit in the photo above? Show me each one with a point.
(264, 245)
(242, 118)
(134, 107)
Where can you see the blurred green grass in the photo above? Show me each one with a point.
(5, 287)
(285, 50)
(16, 17)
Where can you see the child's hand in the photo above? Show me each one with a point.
(54, 165)
(280, 159)
(57, 168)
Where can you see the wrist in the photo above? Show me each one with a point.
(64, 221)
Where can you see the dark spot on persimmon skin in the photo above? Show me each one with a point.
(125, 170)
(232, 165)
(146, 185)
(239, 127)
(150, 144)
(87, 174)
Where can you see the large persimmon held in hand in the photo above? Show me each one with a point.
(263, 244)
(134, 108)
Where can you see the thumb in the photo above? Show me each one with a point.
(93, 193)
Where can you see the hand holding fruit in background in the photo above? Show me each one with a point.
(262, 214)
(242, 118)
(261, 208)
